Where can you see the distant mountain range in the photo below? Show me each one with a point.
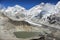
(33, 15)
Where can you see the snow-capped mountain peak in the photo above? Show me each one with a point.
(15, 13)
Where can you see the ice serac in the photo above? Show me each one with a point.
(15, 13)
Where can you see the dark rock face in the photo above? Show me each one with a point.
(51, 19)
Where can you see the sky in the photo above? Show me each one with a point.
(25, 3)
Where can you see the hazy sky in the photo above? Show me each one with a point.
(25, 3)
